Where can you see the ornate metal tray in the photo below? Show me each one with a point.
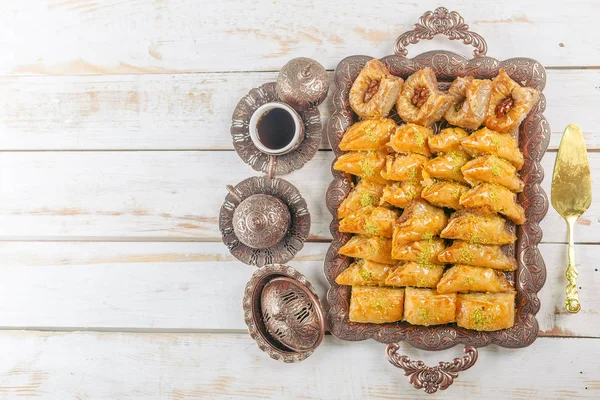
(533, 138)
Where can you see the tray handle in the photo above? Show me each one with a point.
(441, 21)
(430, 379)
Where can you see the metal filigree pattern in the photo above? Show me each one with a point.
(431, 379)
(253, 312)
(441, 22)
(302, 83)
(284, 250)
(534, 136)
(258, 160)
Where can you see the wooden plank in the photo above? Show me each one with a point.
(199, 286)
(167, 195)
(193, 111)
(87, 365)
(79, 37)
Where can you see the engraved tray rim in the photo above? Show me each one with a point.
(534, 136)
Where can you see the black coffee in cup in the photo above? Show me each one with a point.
(276, 128)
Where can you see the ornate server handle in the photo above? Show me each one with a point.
(430, 379)
(441, 21)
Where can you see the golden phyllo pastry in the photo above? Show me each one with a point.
(422, 251)
(496, 198)
(400, 194)
(370, 220)
(374, 91)
(492, 169)
(420, 220)
(470, 98)
(365, 273)
(444, 194)
(365, 193)
(400, 167)
(366, 164)
(477, 226)
(480, 255)
(414, 274)
(447, 166)
(487, 141)
(420, 101)
(509, 104)
(374, 248)
(376, 305)
(371, 134)
(466, 278)
(485, 311)
(428, 307)
(447, 140)
(411, 138)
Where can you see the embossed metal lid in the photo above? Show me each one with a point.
(283, 313)
(261, 221)
(302, 83)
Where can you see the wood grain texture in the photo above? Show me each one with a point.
(85, 37)
(193, 111)
(168, 195)
(199, 287)
(200, 366)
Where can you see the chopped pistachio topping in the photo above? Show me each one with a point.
(469, 281)
(464, 255)
(382, 304)
(480, 319)
(419, 139)
(371, 227)
(423, 314)
(496, 168)
(367, 169)
(364, 274)
(367, 199)
(496, 142)
(427, 236)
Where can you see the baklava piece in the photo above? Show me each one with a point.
(466, 278)
(364, 194)
(371, 134)
(417, 275)
(370, 220)
(477, 226)
(447, 140)
(374, 91)
(366, 164)
(509, 104)
(470, 98)
(428, 307)
(411, 138)
(492, 169)
(480, 255)
(496, 198)
(420, 220)
(487, 141)
(374, 248)
(400, 194)
(376, 305)
(485, 311)
(444, 194)
(422, 251)
(365, 273)
(420, 102)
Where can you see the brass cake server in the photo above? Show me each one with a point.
(571, 197)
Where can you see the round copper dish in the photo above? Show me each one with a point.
(296, 235)
(258, 160)
(283, 313)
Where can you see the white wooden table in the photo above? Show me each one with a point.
(115, 153)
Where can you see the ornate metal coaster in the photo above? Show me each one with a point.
(283, 313)
(295, 236)
(254, 157)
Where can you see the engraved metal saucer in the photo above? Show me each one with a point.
(258, 160)
(295, 236)
(283, 313)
